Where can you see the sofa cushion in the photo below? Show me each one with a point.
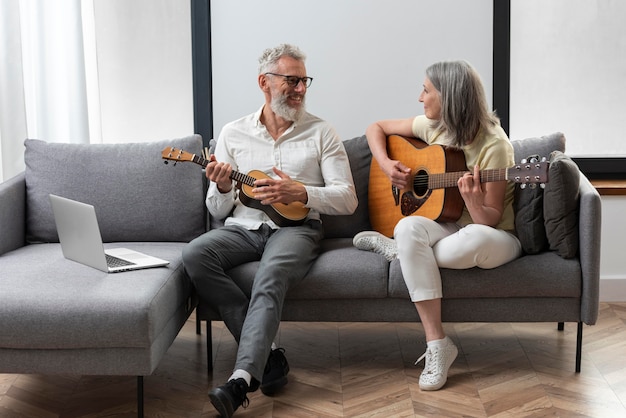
(49, 302)
(560, 205)
(525, 277)
(347, 226)
(136, 196)
(340, 272)
(528, 202)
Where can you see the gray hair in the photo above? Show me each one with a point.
(464, 109)
(269, 59)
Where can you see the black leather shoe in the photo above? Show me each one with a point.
(227, 398)
(275, 374)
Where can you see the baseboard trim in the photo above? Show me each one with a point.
(613, 289)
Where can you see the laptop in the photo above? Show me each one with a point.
(81, 241)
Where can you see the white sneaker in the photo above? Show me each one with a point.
(438, 362)
(376, 242)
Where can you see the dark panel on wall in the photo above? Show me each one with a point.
(201, 52)
(611, 168)
(502, 60)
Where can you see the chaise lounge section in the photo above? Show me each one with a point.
(61, 317)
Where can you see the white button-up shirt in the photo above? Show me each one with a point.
(310, 152)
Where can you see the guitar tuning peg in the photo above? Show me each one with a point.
(522, 186)
(524, 161)
(165, 162)
(542, 185)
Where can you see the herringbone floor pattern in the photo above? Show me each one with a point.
(365, 370)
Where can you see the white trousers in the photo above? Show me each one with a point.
(425, 245)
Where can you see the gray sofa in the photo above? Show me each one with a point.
(557, 280)
(60, 317)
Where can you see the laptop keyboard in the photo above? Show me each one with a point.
(117, 262)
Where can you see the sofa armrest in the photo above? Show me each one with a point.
(13, 213)
(589, 222)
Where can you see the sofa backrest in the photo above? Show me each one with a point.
(137, 197)
(360, 159)
(346, 226)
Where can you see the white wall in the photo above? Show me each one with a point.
(367, 57)
(613, 264)
(568, 74)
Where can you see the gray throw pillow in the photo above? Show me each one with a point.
(137, 197)
(529, 222)
(528, 202)
(346, 226)
(560, 205)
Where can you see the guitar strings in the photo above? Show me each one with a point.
(440, 180)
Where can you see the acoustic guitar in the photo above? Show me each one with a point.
(432, 190)
(282, 214)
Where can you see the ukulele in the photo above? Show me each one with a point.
(283, 214)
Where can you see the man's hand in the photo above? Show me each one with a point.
(219, 173)
(281, 190)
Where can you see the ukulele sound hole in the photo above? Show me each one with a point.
(420, 183)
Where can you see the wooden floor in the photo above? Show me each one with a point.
(365, 370)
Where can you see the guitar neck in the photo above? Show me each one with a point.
(235, 175)
(443, 180)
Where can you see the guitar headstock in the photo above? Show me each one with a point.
(531, 171)
(174, 154)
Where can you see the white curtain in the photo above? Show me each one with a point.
(93, 71)
(43, 81)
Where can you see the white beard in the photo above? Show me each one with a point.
(281, 108)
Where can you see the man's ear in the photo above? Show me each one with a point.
(263, 82)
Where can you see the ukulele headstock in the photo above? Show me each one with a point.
(176, 155)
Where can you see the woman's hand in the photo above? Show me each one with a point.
(398, 173)
(484, 201)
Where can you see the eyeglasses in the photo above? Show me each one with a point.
(293, 81)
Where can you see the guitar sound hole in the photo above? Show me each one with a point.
(420, 183)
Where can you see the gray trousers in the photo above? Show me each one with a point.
(285, 257)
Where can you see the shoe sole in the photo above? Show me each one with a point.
(271, 388)
(363, 234)
(445, 380)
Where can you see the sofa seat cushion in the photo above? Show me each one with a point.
(48, 302)
(527, 276)
(340, 271)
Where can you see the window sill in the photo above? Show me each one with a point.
(610, 187)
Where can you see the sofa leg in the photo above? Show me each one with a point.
(198, 324)
(139, 396)
(579, 346)
(560, 326)
(209, 348)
